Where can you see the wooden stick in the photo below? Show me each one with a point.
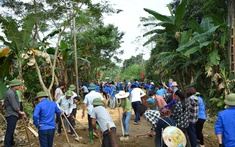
(143, 134)
(77, 137)
(80, 123)
(121, 121)
(26, 130)
(33, 131)
(65, 130)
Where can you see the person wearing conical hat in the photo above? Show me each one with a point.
(101, 115)
(127, 110)
(74, 111)
(225, 123)
(43, 119)
(12, 111)
(65, 103)
(87, 104)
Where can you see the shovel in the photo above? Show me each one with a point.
(84, 127)
(77, 137)
(26, 131)
(65, 130)
(122, 138)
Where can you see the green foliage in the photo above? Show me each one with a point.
(3, 90)
(133, 60)
(131, 72)
(28, 109)
(190, 48)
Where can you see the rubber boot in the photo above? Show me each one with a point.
(91, 136)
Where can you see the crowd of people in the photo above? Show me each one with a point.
(162, 105)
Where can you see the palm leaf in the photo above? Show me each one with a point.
(207, 23)
(153, 38)
(193, 24)
(180, 12)
(192, 50)
(157, 15)
(27, 28)
(156, 31)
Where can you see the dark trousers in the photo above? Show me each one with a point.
(60, 124)
(135, 105)
(192, 134)
(90, 128)
(74, 113)
(199, 127)
(184, 130)
(9, 136)
(106, 138)
(46, 137)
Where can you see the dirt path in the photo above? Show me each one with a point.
(143, 127)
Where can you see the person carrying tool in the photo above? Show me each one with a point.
(107, 126)
(44, 120)
(65, 103)
(127, 112)
(12, 111)
(87, 103)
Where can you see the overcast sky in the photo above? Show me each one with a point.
(129, 19)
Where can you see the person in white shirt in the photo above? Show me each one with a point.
(59, 91)
(135, 98)
(74, 112)
(65, 103)
(87, 103)
(85, 90)
(102, 116)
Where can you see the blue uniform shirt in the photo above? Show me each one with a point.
(44, 114)
(225, 125)
(202, 109)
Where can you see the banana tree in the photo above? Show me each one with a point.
(17, 38)
(166, 24)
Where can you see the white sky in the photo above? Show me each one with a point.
(129, 19)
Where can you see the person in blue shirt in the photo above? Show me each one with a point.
(161, 91)
(225, 123)
(121, 86)
(112, 91)
(201, 119)
(151, 101)
(44, 120)
(152, 87)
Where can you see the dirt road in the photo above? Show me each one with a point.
(143, 127)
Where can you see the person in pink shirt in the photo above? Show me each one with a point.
(160, 102)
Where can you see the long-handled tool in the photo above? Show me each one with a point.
(122, 138)
(121, 121)
(144, 134)
(77, 137)
(65, 130)
(26, 130)
(80, 123)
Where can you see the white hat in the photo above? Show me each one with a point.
(152, 83)
(122, 94)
